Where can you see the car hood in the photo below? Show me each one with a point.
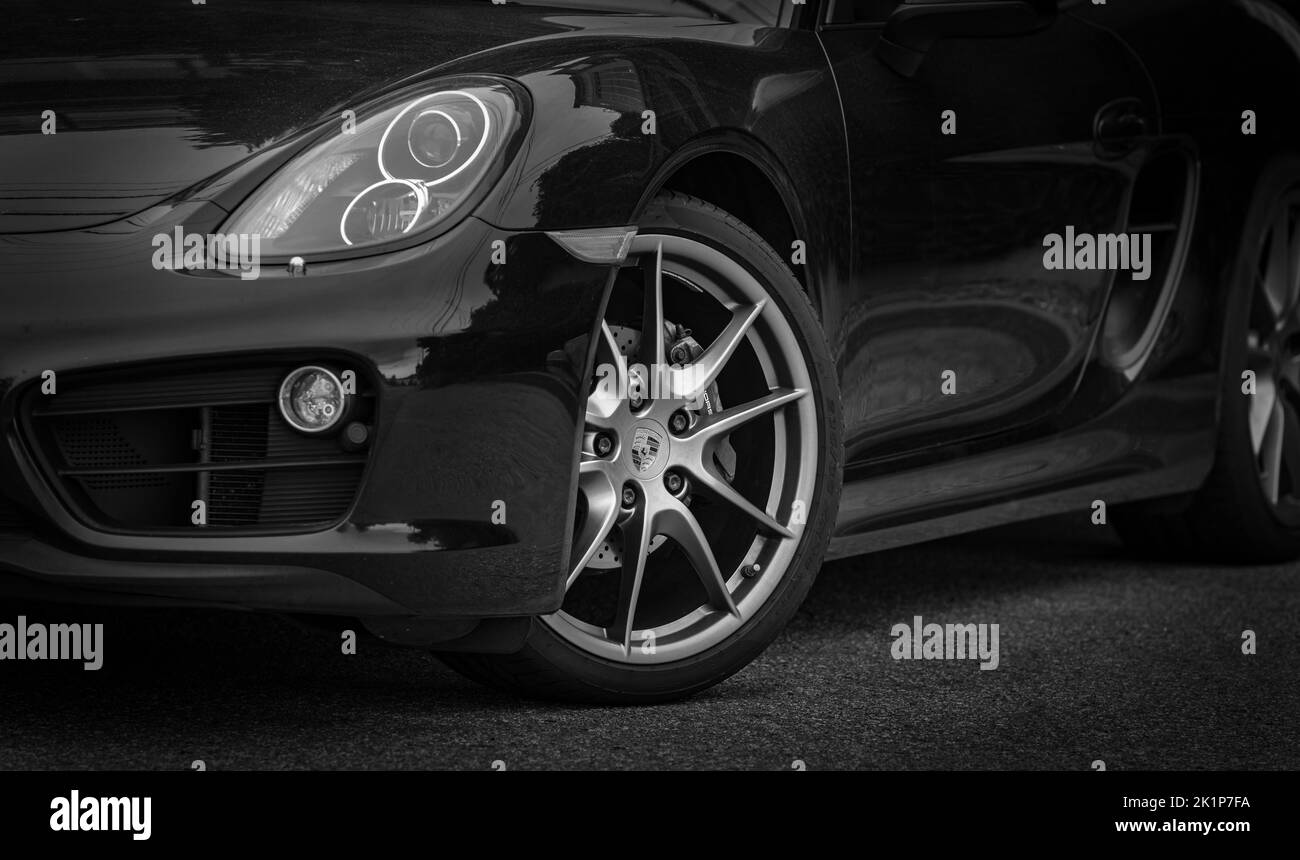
(150, 97)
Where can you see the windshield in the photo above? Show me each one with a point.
(738, 11)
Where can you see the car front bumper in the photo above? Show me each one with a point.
(464, 508)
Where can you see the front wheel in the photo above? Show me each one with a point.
(709, 477)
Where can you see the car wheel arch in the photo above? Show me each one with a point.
(739, 175)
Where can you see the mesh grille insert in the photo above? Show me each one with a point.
(134, 451)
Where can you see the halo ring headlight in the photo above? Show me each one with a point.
(445, 143)
(421, 198)
(455, 127)
(482, 141)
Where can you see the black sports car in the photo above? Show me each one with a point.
(567, 339)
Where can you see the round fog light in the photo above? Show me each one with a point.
(312, 399)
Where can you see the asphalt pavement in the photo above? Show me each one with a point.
(1102, 657)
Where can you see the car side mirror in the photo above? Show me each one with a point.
(917, 24)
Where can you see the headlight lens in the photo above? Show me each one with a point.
(402, 170)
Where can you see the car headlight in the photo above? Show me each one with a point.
(402, 170)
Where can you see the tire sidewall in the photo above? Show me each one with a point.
(1236, 455)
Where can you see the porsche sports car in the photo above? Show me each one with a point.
(566, 340)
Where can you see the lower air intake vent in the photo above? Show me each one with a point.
(134, 451)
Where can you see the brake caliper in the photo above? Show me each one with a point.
(682, 350)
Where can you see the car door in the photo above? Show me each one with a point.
(952, 328)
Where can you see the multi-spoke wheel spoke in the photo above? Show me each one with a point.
(1280, 450)
(1271, 354)
(638, 531)
(692, 381)
(1271, 452)
(652, 326)
(729, 420)
(605, 400)
(1274, 271)
(1262, 406)
(720, 489)
(677, 522)
(602, 509)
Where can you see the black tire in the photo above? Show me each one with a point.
(1229, 519)
(551, 667)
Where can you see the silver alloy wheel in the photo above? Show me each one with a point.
(626, 488)
(1273, 353)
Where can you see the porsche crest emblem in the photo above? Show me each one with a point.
(645, 449)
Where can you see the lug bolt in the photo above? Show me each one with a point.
(673, 482)
(679, 422)
(636, 403)
(603, 444)
(629, 497)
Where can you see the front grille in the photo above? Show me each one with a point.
(133, 451)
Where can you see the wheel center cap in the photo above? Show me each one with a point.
(647, 456)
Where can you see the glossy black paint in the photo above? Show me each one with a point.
(469, 411)
(1109, 436)
(924, 254)
(948, 231)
